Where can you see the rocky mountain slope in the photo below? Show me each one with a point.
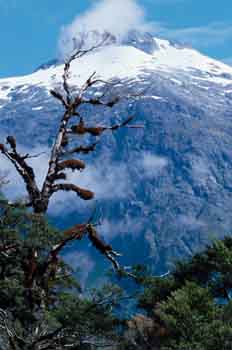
(164, 190)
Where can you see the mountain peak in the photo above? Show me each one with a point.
(142, 41)
(145, 42)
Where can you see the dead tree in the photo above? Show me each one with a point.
(63, 158)
(39, 274)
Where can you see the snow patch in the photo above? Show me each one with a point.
(37, 108)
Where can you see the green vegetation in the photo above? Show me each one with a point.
(42, 305)
(189, 309)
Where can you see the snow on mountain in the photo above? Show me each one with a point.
(164, 190)
(127, 61)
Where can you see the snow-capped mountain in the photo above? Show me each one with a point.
(163, 190)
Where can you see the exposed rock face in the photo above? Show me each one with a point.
(144, 42)
(164, 190)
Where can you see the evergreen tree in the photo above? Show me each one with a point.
(190, 308)
(41, 303)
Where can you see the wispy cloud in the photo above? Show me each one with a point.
(82, 263)
(16, 189)
(120, 16)
(151, 240)
(128, 225)
(107, 179)
(117, 17)
(213, 34)
(152, 164)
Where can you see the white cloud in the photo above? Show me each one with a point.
(81, 262)
(213, 34)
(201, 172)
(126, 226)
(152, 164)
(151, 240)
(117, 17)
(120, 16)
(108, 180)
(16, 188)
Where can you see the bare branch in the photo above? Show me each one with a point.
(28, 156)
(82, 193)
(74, 164)
(89, 82)
(7, 326)
(8, 248)
(24, 170)
(102, 247)
(82, 149)
(77, 55)
(97, 130)
(75, 231)
(12, 142)
(124, 123)
(58, 96)
(81, 52)
(98, 102)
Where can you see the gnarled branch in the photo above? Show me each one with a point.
(74, 164)
(102, 247)
(81, 192)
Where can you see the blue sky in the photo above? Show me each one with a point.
(30, 29)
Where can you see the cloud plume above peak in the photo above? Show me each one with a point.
(117, 17)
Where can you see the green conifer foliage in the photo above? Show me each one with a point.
(41, 302)
(188, 309)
